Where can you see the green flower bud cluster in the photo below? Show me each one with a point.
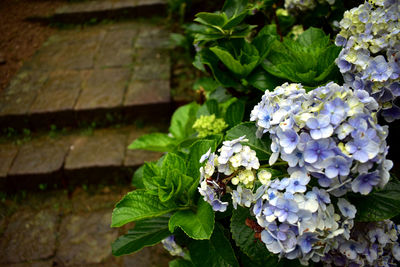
(208, 125)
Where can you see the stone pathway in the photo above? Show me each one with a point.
(111, 74)
(76, 158)
(83, 74)
(53, 229)
(109, 9)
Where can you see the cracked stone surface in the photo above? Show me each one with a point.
(40, 156)
(29, 236)
(104, 88)
(7, 155)
(86, 238)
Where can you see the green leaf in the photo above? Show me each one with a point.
(212, 19)
(139, 205)
(180, 263)
(235, 113)
(261, 146)
(182, 121)
(216, 252)
(137, 180)
(380, 204)
(234, 7)
(206, 83)
(223, 76)
(245, 240)
(150, 171)
(198, 149)
(154, 142)
(172, 161)
(313, 37)
(229, 61)
(197, 225)
(145, 233)
(309, 60)
(262, 80)
(212, 106)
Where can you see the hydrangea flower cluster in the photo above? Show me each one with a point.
(172, 247)
(304, 5)
(329, 133)
(369, 60)
(371, 244)
(236, 163)
(208, 125)
(299, 221)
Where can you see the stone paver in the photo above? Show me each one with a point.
(117, 48)
(105, 88)
(147, 92)
(40, 156)
(86, 238)
(16, 104)
(29, 236)
(108, 8)
(7, 155)
(105, 148)
(89, 72)
(151, 71)
(60, 92)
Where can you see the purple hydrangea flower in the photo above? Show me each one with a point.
(320, 127)
(306, 241)
(336, 110)
(285, 210)
(365, 182)
(298, 182)
(337, 165)
(317, 151)
(288, 140)
(348, 210)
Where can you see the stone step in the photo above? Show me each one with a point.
(84, 11)
(100, 156)
(116, 72)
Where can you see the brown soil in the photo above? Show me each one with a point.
(19, 38)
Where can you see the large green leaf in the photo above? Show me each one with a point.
(182, 121)
(212, 19)
(216, 252)
(197, 225)
(221, 75)
(262, 80)
(380, 204)
(139, 205)
(154, 142)
(137, 180)
(145, 233)
(240, 66)
(309, 60)
(261, 146)
(235, 113)
(234, 7)
(229, 61)
(245, 240)
(172, 161)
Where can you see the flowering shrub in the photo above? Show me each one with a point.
(283, 164)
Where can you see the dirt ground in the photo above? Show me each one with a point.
(19, 38)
